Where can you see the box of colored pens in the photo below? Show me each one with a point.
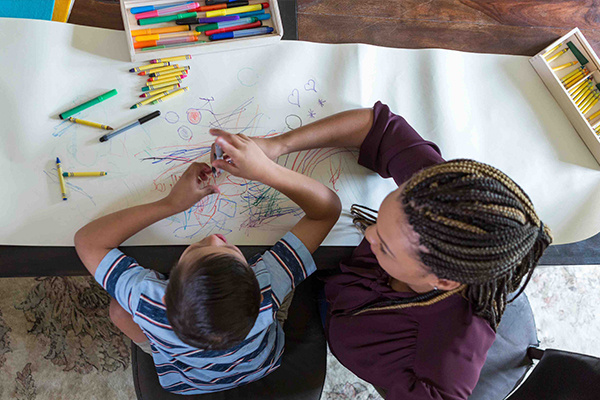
(165, 28)
(570, 69)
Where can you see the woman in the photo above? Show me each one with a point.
(415, 309)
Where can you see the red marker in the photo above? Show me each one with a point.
(234, 28)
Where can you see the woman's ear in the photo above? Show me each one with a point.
(446, 284)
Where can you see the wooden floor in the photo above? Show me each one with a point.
(521, 27)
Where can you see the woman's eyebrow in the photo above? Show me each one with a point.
(387, 248)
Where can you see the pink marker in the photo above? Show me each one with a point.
(168, 10)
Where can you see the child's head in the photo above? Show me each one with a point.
(213, 296)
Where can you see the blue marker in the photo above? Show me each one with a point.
(243, 21)
(139, 10)
(136, 123)
(250, 14)
(244, 32)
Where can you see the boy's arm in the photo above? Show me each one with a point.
(97, 238)
(345, 129)
(320, 204)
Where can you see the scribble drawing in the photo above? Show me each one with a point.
(172, 117)
(294, 98)
(262, 204)
(247, 77)
(185, 133)
(61, 128)
(310, 85)
(227, 207)
(311, 113)
(194, 116)
(293, 121)
(322, 102)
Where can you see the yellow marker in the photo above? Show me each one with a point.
(572, 79)
(552, 50)
(163, 73)
(149, 66)
(172, 94)
(178, 28)
(161, 85)
(161, 69)
(63, 188)
(89, 123)
(169, 81)
(592, 104)
(168, 76)
(233, 10)
(149, 99)
(594, 115)
(163, 36)
(76, 174)
(560, 53)
(570, 74)
(154, 92)
(176, 58)
(567, 65)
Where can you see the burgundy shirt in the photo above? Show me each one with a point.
(432, 352)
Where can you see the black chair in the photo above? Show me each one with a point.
(300, 377)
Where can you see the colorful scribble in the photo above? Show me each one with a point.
(194, 116)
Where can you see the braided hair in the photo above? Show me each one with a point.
(479, 227)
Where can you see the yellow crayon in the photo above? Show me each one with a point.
(178, 69)
(572, 88)
(584, 88)
(157, 36)
(167, 76)
(586, 103)
(169, 81)
(89, 123)
(176, 58)
(76, 174)
(567, 65)
(150, 99)
(570, 74)
(584, 98)
(552, 50)
(161, 69)
(160, 85)
(592, 104)
(149, 66)
(560, 53)
(583, 93)
(63, 188)
(172, 94)
(157, 91)
(572, 79)
(594, 115)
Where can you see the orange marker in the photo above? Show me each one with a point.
(170, 29)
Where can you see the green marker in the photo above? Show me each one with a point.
(207, 27)
(166, 18)
(88, 104)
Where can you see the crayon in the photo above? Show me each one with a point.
(82, 174)
(140, 121)
(172, 94)
(168, 10)
(551, 50)
(63, 188)
(167, 18)
(594, 115)
(160, 85)
(583, 93)
(146, 38)
(89, 123)
(169, 29)
(236, 10)
(571, 89)
(149, 100)
(256, 24)
(567, 65)
(169, 59)
(576, 76)
(245, 32)
(167, 77)
(157, 91)
(584, 104)
(570, 74)
(161, 69)
(583, 99)
(88, 104)
(592, 104)
(560, 53)
(176, 70)
(149, 66)
(170, 81)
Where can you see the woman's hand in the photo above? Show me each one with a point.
(190, 188)
(242, 157)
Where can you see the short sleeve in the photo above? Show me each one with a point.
(289, 262)
(394, 149)
(121, 276)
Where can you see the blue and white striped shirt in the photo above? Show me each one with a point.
(185, 369)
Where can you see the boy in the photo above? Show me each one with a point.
(217, 322)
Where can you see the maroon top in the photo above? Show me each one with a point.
(432, 352)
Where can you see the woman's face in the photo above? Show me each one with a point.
(396, 247)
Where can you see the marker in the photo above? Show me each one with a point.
(137, 10)
(168, 10)
(170, 81)
(161, 85)
(140, 121)
(246, 32)
(169, 59)
(151, 93)
(170, 95)
(145, 38)
(226, 24)
(251, 13)
(88, 104)
(236, 10)
(560, 53)
(551, 50)
(166, 18)
(82, 174)
(567, 65)
(149, 66)
(63, 188)
(169, 46)
(169, 29)
(195, 21)
(170, 72)
(211, 2)
(149, 100)
(161, 69)
(89, 123)
(170, 76)
(234, 28)
(151, 43)
(218, 155)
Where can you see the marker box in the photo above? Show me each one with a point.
(552, 80)
(195, 48)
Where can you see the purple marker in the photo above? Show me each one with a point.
(194, 21)
(244, 32)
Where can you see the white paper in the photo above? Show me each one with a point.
(491, 108)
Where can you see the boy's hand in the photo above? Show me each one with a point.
(190, 188)
(243, 157)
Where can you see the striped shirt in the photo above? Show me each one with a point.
(187, 370)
